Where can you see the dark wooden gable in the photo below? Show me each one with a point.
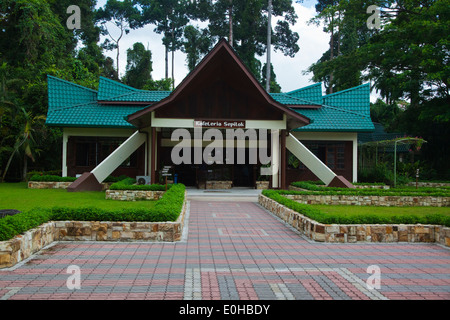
(220, 87)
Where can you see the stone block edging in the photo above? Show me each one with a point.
(368, 200)
(23, 246)
(351, 233)
(131, 195)
(57, 185)
(429, 184)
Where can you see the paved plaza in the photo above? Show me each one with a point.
(232, 249)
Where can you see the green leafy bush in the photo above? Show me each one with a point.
(404, 191)
(11, 226)
(323, 217)
(51, 178)
(128, 184)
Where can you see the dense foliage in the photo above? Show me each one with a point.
(406, 60)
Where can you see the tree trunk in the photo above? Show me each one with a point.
(230, 21)
(25, 168)
(173, 67)
(330, 88)
(167, 61)
(269, 44)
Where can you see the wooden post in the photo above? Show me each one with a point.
(153, 157)
(283, 159)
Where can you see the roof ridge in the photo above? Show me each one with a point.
(71, 83)
(305, 88)
(296, 98)
(346, 90)
(345, 110)
(74, 106)
(119, 84)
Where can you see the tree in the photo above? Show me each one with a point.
(340, 68)
(25, 141)
(159, 85)
(408, 59)
(245, 24)
(42, 46)
(196, 44)
(124, 16)
(139, 66)
(273, 84)
(170, 18)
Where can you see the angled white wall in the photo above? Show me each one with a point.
(118, 156)
(309, 159)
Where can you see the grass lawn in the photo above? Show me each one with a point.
(18, 196)
(381, 211)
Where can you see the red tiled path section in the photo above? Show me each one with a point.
(234, 250)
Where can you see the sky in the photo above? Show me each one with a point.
(289, 71)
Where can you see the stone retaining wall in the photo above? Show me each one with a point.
(368, 186)
(131, 195)
(218, 184)
(429, 184)
(385, 201)
(352, 233)
(23, 246)
(57, 185)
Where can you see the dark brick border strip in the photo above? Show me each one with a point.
(351, 233)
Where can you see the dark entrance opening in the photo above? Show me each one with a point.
(243, 175)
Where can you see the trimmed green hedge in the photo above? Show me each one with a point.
(10, 226)
(168, 208)
(51, 178)
(325, 218)
(56, 178)
(410, 191)
(128, 184)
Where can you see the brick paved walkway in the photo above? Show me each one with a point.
(233, 250)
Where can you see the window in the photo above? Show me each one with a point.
(85, 154)
(330, 153)
(92, 151)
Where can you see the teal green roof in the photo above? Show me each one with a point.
(63, 93)
(355, 99)
(71, 105)
(142, 96)
(92, 115)
(110, 90)
(287, 99)
(311, 93)
(330, 119)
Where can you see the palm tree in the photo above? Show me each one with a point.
(25, 141)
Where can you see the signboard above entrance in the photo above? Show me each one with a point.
(228, 124)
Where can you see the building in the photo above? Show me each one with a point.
(122, 130)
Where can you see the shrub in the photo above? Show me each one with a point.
(323, 217)
(404, 191)
(11, 226)
(128, 184)
(51, 178)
